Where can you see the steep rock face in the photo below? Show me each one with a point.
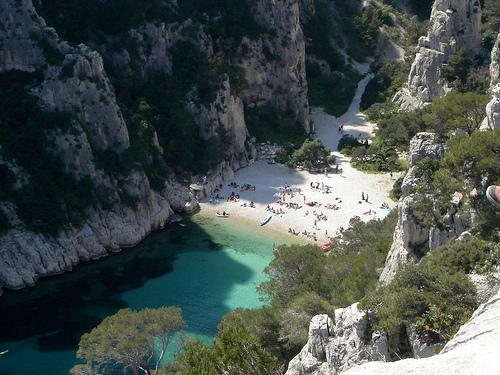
(19, 50)
(78, 84)
(495, 62)
(225, 115)
(74, 81)
(153, 41)
(412, 240)
(454, 24)
(280, 79)
(87, 93)
(473, 350)
(492, 119)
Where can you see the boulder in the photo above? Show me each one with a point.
(334, 348)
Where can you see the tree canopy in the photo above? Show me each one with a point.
(126, 341)
(457, 110)
(235, 350)
(312, 155)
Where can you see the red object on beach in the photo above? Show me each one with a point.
(326, 246)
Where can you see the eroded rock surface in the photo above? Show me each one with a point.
(454, 24)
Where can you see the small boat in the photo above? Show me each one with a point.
(266, 219)
(222, 214)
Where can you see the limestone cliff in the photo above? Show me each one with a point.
(280, 80)
(132, 201)
(473, 350)
(78, 85)
(492, 119)
(412, 239)
(454, 24)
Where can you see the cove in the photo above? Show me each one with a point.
(207, 266)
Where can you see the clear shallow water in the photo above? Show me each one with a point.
(208, 268)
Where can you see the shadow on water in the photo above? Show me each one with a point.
(59, 309)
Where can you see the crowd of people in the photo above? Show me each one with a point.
(305, 233)
(285, 200)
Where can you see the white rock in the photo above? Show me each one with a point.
(473, 350)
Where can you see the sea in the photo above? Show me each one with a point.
(205, 265)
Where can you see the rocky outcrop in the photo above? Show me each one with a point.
(473, 350)
(492, 119)
(344, 349)
(426, 145)
(333, 348)
(495, 63)
(411, 238)
(20, 49)
(454, 24)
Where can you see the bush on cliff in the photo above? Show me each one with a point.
(428, 297)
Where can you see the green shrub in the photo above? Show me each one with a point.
(430, 298)
(52, 55)
(457, 68)
(390, 76)
(7, 180)
(465, 255)
(456, 110)
(282, 156)
(312, 155)
(347, 144)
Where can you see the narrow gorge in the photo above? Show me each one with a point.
(118, 118)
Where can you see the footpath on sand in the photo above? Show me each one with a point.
(316, 206)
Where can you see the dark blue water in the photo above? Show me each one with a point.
(208, 267)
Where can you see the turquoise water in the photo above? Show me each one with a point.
(208, 267)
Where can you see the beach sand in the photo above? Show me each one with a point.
(346, 190)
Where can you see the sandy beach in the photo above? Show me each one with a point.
(333, 198)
